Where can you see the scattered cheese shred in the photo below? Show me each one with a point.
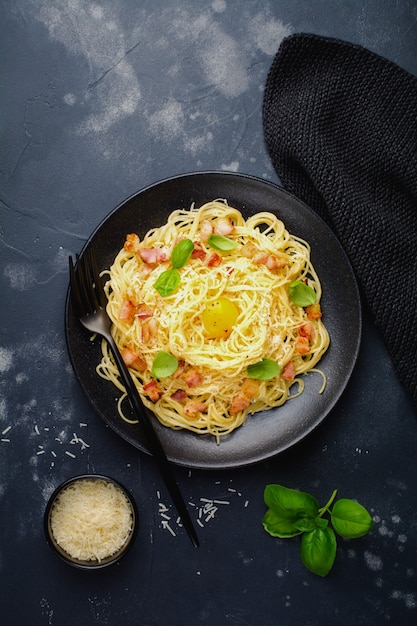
(91, 519)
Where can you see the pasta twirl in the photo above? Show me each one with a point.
(231, 309)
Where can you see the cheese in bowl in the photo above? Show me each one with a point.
(91, 521)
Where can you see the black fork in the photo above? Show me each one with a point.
(90, 302)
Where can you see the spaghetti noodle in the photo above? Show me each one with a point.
(225, 317)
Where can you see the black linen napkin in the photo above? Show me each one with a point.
(340, 126)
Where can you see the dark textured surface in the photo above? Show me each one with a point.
(99, 100)
(341, 129)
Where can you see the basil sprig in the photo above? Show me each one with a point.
(302, 294)
(263, 370)
(219, 242)
(169, 281)
(292, 512)
(164, 364)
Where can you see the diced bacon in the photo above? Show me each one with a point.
(149, 330)
(152, 390)
(143, 311)
(179, 395)
(288, 372)
(152, 256)
(129, 356)
(206, 229)
(275, 263)
(250, 387)
(313, 311)
(306, 330)
(193, 407)
(133, 359)
(242, 400)
(260, 258)
(131, 243)
(148, 255)
(239, 403)
(224, 226)
(198, 252)
(192, 377)
(213, 259)
(127, 311)
(249, 250)
(302, 345)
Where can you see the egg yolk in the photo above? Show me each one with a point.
(219, 317)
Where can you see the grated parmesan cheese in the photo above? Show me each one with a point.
(91, 519)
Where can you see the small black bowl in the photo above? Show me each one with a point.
(93, 563)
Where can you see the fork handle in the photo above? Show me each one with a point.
(153, 441)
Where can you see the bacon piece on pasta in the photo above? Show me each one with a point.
(306, 330)
(288, 373)
(198, 252)
(224, 226)
(193, 407)
(143, 311)
(206, 229)
(179, 395)
(242, 400)
(152, 390)
(192, 377)
(133, 359)
(302, 345)
(313, 311)
(152, 256)
(127, 311)
(213, 259)
(132, 243)
(149, 329)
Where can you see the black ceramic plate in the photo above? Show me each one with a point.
(267, 433)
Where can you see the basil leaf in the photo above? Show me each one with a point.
(263, 370)
(164, 364)
(301, 294)
(181, 253)
(286, 508)
(168, 282)
(350, 519)
(224, 244)
(283, 500)
(279, 526)
(318, 550)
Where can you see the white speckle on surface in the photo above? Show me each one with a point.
(267, 32)
(21, 378)
(409, 599)
(69, 99)
(218, 6)
(6, 360)
(373, 561)
(20, 275)
(222, 63)
(168, 121)
(233, 166)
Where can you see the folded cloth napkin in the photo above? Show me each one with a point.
(340, 125)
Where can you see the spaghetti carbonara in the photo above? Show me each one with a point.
(217, 317)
